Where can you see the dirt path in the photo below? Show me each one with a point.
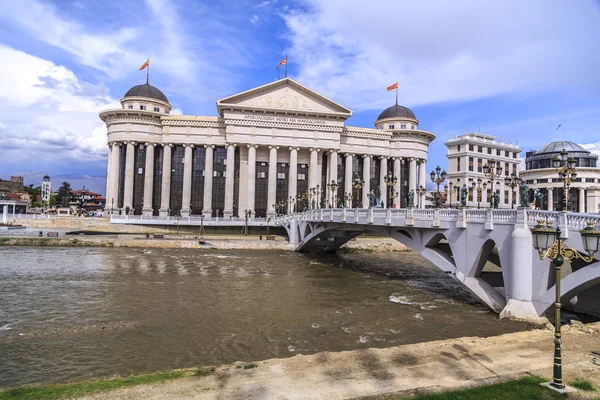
(353, 374)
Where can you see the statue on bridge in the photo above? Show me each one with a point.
(539, 197)
(524, 194)
(464, 192)
(411, 198)
(495, 200)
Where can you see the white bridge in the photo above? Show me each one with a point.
(461, 242)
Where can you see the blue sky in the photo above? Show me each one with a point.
(513, 69)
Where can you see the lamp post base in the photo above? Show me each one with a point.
(563, 390)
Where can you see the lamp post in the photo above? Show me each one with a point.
(421, 193)
(371, 197)
(357, 184)
(333, 186)
(492, 171)
(112, 206)
(347, 200)
(512, 181)
(450, 192)
(550, 244)
(479, 187)
(438, 176)
(390, 181)
(566, 172)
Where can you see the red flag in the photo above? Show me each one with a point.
(146, 64)
(394, 86)
(283, 62)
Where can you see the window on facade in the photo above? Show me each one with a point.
(470, 194)
(403, 126)
(157, 184)
(506, 197)
(262, 189)
(156, 109)
(218, 198)
(281, 175)
(489, 150)
(497, 152)
(177, 158)
(281, 195)
(479, 165)
(142, 107)
(515, 154)
(470, 163)
(391, 126)
(301, 177)
(507, 153)
(138, 179)
(130, 106)
(479, 149)
(506, 169)
(412, 127)
(590, 180)
(471, 147)
(261, 175)
(458, 148)
(458, 164)
(198, 165)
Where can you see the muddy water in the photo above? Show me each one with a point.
(80, 313)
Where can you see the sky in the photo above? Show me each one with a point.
(513, 69)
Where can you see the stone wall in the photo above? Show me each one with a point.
(14, 185)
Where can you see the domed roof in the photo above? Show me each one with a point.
(46, 177)
(146, 90)
(396, 111)
(559, 145)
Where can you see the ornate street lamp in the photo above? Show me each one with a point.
(438, 176)
(479, 187)
(513, 181)
(357, 184)
(347, 200)
(549, 244)
(390, 181)
(566, 173)
(492, 171)
(421, 192)
(333, 186)
(450, 192)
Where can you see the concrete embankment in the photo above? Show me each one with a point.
(432, 366)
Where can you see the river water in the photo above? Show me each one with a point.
(80, 313)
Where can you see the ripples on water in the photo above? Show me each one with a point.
(78, 313)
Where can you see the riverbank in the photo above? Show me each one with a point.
(387, 373)
(221, 242)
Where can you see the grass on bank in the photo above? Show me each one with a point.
(527, 388)
(79, 389)
(582, 384)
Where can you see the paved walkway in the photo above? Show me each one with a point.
(353, 374)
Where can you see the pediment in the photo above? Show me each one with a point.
(284, 95)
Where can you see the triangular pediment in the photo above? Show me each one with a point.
(284, 95)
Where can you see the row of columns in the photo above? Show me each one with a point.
(315, 172)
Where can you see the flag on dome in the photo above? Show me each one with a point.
(559, 125)
(394, 86)
(282, 62)
(146, 64)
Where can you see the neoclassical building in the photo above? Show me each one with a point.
(541, 176)
(272, 149)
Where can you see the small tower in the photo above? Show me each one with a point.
(46, 189)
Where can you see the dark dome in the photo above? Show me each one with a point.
(46, 177)
(146, 90)
(558, 146)
(396, 112)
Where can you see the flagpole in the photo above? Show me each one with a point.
(148, 73)
(396, 94)
(286, 66)
(278, 72)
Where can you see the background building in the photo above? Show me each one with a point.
(467, 154)
(273, 149)
(542, 177)
(46, 189)
(14, 185)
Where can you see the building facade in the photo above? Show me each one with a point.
(273, 149)
(542, 177)
(467, 155)
(46, 189)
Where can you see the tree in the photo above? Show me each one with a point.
(33, 192)
(64, 194)
(52, 201)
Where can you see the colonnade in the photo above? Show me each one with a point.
(416, 177)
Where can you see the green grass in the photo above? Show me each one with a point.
(70, 390)
(250, 366)
(527, 388)
(582, 384)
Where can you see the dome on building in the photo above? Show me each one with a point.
(46, 178)
(559, 145)
(396, 111)
(146, 90)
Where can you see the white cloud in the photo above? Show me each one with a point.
(593, 147)
(263, 4)
(255, 21)
(50, 115)
(442, 51)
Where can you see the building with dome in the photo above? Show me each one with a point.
(46, 189)
(269, 150)
(542, 177)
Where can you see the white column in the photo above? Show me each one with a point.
(382, 181)
(312, 169)
(348, 177)
(398, 184)
(367, 178)
(501, 200)
(186, 196)
(581, 200)
(251, 177)
(293, 177)
(333, 176)
(148, 179)
(129, 165)
(272, 185)
(109, 175)
(229, 181)
(422, 176)
(550, 199)
(412, 177)
(115, 176)
(208, 182)
(165, 194)
(319, 182)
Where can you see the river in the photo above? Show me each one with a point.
(80, 313)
